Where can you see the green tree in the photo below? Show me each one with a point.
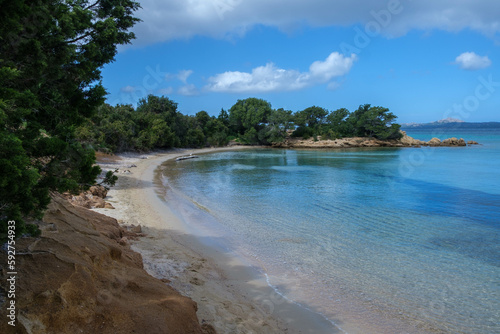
(216, 132)
(224, 117)
(247, 117)
(374, 122)
(195, 137)
(250, 137)
(310, 117)
(19, 192)
(202, 117)
(51, 53)
(279, 122)
(309, 121)
(336, 123)
(158, 105)
(111, 128)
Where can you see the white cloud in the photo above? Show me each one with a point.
(128, 89)
(335, 65)
(262, 79)
(170, 77)
(472, 61)
(184, 75)
(270, 78)
(174, 19)
(188, 90)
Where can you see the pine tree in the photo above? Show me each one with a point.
(51, 53)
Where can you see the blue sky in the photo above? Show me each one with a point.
(424, 60)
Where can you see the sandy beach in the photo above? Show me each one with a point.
(232, 296)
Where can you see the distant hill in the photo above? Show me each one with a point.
(451, 123)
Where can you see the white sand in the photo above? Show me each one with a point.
(231, 296)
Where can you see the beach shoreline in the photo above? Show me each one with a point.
(232, 295)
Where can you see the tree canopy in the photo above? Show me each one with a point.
(51, 53)
(247, 117)
(368, 121)
(156, 123)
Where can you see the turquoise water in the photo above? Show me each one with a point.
(390, 237)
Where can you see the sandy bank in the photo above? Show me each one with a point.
(231, 296)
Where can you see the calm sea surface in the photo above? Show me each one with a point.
(362, 234)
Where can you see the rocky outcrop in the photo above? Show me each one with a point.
(410, 141)
(78, 278)
(434, 142)
(405, 141)
(90, 199)
(337, 143)
(453, 142)
(446, 142)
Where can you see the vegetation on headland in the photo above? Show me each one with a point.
(53, 116)
(157, 124)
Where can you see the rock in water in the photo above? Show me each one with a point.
(434, 142)
(453, 142)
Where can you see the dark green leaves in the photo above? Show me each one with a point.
(368, 121)
(247, 117)
(51, 53)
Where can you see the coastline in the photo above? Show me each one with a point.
(368, 142)
(231, 295)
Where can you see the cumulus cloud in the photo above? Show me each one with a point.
(266, 78)
(174, 19)
(183, 75)
(188, 90)
(333, 66)
(128, 89)
(270, 78)
(472, 61)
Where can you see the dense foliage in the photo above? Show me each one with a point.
(156, 124)
(51, 53)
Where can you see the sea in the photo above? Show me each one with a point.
(379, 236)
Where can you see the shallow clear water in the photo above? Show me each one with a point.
(375, 234)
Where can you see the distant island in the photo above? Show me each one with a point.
(451, 123)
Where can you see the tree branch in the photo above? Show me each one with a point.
(79, 38)
(93, 5)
